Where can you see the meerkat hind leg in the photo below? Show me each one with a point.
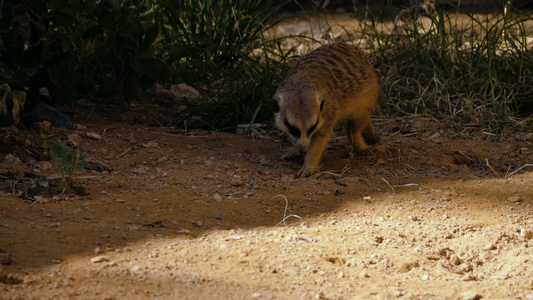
(354, 132)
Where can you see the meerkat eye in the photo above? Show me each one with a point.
(321, 106)
(275, 106)
(312, 128)
(295, 132)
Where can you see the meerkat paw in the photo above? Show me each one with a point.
(307, 171)
(371, 150)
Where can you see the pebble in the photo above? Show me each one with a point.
(100, 258)
(43, 165)
(470, 295)
(11, 160)
(514, 199)
(74, 140)
(413, 218)
(256, 295)
(93, 135)
(135, 268)
(217, 197)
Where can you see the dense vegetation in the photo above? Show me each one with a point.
(116, 49)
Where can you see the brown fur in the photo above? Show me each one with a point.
(331, 83)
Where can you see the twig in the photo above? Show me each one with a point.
(285, 217)
(514, 172)
(492, 169)
(123, 153)
(388, 184)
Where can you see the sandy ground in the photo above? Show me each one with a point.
(172, 215)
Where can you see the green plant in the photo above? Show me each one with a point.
(212, 41)
(481, 72)
(11, 101)
(77, 47)
(67, 160)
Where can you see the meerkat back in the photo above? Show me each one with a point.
(334, 82)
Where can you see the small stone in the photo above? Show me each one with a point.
(529, 296)
(183, 91)
(74, 140)
(256, 295)
(93, 135)
(118, 200)
(217, 197)
(43, 165)
(470, 295)
(237, 181)
(528, 234)
(150, 144)
(99, 259)
(413, 218)
(198, 224)
(514, 199)
(5, 258)
(435, 135)
(135, 268)
(340, 275)
(11, 160)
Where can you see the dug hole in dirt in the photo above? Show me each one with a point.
(442, 213)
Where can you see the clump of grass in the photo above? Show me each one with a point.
(211, 42)
(478, 73)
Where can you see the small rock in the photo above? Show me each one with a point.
(141, 170)
(256, 295)
(184, 91)
(118, 200)
(43, 165)
(435, 135)
(529, 296)
(514, 199)
(135, 268)
(470, 295)
(5, 258)
(99, 259)
(413, 218)
(528, 234)
(79, 127)
(93, 135)
(11, 160)
(217, 197)
(198, 223)
(237, 181)
(150, 144)
(74, 140)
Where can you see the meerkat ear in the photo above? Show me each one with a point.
(275, 106)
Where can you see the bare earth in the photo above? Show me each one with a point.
(200, 215)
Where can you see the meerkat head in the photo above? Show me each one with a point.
(297, 113)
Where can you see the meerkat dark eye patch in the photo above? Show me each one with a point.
(275, 106)
(312, 128)
(321, 105)
(295, 132)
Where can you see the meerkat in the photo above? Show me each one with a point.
(334, 82)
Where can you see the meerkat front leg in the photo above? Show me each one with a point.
(314, 154)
